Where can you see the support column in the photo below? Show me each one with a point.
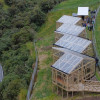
(62, 93)
(57, 89)
(72, 94)
(67, 94)
(83, 94)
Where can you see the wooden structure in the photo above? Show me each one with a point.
(76, 44)
(72, 71)
(71, 30)
(65, 19)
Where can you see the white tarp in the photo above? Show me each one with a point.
(83, 11)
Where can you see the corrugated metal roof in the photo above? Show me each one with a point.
(73, 43)
(70, 29)
(69, 19)
(83, 11)
(67, 63)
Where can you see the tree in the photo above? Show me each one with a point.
(37, 16)
(47, 5)
(12, 90)
(22, 37)
(7, 79)
(9, 2)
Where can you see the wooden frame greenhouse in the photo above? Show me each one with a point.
(71, 30)
(76, 44)
(73, 64)
(71, 69)
(65, 19)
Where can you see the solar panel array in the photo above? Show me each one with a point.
(69, 19)
(70, 29)
(73, 43)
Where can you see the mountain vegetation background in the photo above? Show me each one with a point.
(19, 22)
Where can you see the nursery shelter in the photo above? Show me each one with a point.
(72, 71)
(76, 44)
(68, 20)
(70, 29)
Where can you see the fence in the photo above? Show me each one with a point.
(33, 75)
(93, 37)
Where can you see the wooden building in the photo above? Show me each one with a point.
(65, 19)
(76, 44)
(72, 70)
(71, 30)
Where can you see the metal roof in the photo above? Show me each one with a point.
(73, 43)
(67, 63)
(70, 29)
(69, 19)
(83, 11)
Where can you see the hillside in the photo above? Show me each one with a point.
(45, 40)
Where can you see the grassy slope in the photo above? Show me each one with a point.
(97, 32)
(43, 87)
(97, 36)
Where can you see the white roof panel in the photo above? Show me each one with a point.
(73, 43)
(83, 11)
(70, 29)
(69, 19)
(67, 63)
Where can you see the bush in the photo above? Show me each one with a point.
(12, 10)
(22, 94)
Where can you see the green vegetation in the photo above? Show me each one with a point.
(2, 3)
(45, 36)
(97, 33)
(19, 21)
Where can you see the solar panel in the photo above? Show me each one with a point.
(73, 43)
(70, 29)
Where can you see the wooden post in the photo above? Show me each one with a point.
(67, 94)
(72, 94)
(57, 89)
(62, 93)
(83, 94)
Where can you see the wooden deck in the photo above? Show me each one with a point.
(89, 86)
